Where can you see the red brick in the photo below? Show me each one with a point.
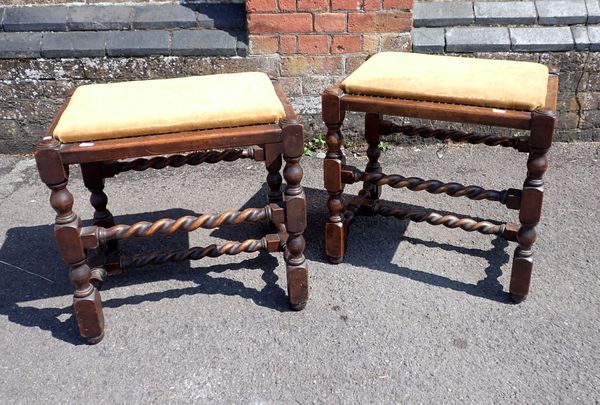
(346, 43)
(301, 65)
(379, 22)
(274, 23)
(371, 5)
(371, 43)
(311, 44)
(263, 44)
(313, 5)
(287, 5)
(287, 44)
(398, 4)
(330, 22)
(261, 5)
(346, 4)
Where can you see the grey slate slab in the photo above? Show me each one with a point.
(441, 14)
(203, 43)
(594, 36)
(477, 39)
(505, 12)
(163, 16)
(580, 36)
(73, 44)
(541, 39)
(242, 44)
(20, 45)
(98, 18)
(222, 16)
(593, 11)
(1, 18)
(137, 43)
(552, 12)
(428, 39)
(42, 18)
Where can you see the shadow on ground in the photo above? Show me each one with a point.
(26, 248)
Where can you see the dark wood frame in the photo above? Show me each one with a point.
(271, 143)
(528, 201)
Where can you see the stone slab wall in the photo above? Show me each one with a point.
(32, 90)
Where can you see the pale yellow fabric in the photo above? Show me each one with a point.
(118, 110)
(448, 79)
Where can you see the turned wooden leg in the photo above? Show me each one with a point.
(295, 215)
(335, 232)
(109, 254)
(372, 137)
(86, 301)
(531, 202)
(273, 161)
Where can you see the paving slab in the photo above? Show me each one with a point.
(581, 38)
(554, 12)
(82, 18)
(594, 37)
(20, 45)
(73, 44)
(203, 43)
(593, 11)
(505, 12)
(442, 14)
(416, 314)
(138, 43)
(428, 39)
(541, 39)
(51, 18)
(477, 39)
(163, 16)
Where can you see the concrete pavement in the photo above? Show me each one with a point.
(416, 314)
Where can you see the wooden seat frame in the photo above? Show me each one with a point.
(528, 201)
(92, 252)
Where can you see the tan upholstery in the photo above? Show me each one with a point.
(118, 110)
(448, 79)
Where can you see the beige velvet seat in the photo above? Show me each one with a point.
(118, 110)
(448, 79)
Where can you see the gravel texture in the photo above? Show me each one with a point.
(417, 314)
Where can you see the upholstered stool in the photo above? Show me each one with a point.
(518, 95)
(212, 119)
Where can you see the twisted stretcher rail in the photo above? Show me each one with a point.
(431, 186)
(188, 223)
(193, 159)
(434, 218)
(388, 128)
(228, 248)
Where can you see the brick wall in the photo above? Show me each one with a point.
(326, 27)
(317, 42)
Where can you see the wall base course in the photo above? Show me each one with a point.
(32, 89)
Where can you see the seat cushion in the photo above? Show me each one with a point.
(449, 79)
(118, 110)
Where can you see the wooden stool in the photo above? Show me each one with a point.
(242, 115)
(509, 94)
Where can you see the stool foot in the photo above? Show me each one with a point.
(298, 307)
(89, 316)
(95, 340)
(520, 277)
(517, 298)
(335, 260)
(335, 242)
(297, 281)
